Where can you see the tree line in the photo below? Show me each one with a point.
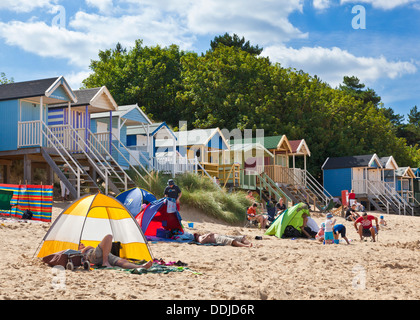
(232, 86)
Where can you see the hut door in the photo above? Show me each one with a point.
(359, 180)
(374, 176)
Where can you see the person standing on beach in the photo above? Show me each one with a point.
(174, 192)
(64, 191)
(352, 197)
(340, 229)
(329, 229)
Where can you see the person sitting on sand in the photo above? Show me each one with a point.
(382, 222)
(320, 235)
(351, 214)
(235, 241)
(250, 197)
(253, 215)
(102, 256)
(366, 229)
(280, 206)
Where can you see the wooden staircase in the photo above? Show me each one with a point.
(88, 169)
(61, 166)
(118, 179)
(269, 189)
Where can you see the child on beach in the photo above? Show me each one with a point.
(382, 222)
(329, 231)
(320, 235)
(340, 229)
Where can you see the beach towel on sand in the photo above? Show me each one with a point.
(155, 268)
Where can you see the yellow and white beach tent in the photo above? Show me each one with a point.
(88, 220)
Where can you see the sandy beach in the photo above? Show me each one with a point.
(273, 269)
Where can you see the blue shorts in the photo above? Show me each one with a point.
(329, 236)
(340, 229)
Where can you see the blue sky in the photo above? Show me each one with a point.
(317, 36)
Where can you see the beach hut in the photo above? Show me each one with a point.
(359, 173)
(378, 182)
(250, 158)
(142, 138)
(299, 148)
(389, 167)
(24, 111)
(405, 178)
(201, 150)
(111, 128)
(417, 184)
(100, 156)
(25, 130)
(275, 154)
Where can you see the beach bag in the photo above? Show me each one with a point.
(61, 258)
(291, 232)
(27, 215)
(115, 249)
(171, 205)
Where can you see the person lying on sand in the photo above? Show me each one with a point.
(102, 256)
(235, 241)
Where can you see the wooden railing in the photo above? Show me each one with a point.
(168, 166)
(29, 133)
(225, 173)
(279, 174)
(100, 141)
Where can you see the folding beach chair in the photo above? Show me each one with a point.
(5, 201)
(250, 223)
(370, 235)
(328, 207)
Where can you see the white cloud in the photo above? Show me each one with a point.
(104, 6)
(261, 21)
(88, 33)
(331, 65)
(321, 4)
(25, 5)
(48, 41)
(382, 4)
(160, 22)
(75, 79)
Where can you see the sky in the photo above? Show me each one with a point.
(377, 41)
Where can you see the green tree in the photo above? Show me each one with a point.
(229, 87)
(235, 41)
(148, 76)
(4, 80)
(352, 86)
(412, 129)
(223, 88)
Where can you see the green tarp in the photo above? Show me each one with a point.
(292, 216)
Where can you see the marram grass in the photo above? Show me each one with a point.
(202, 194)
